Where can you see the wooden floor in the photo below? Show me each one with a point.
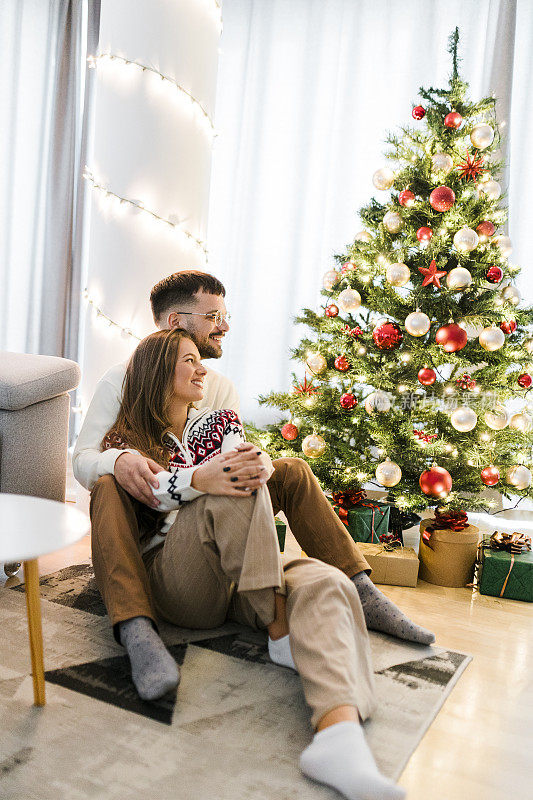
(480, 745)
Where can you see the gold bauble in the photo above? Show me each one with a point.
(519, 477)
(393, 222)
(521, 422)
(377, 401)
(316, 363)
(363, 236)
(482, 136)
(511, 295)
(442, 162)
(466, 239)
(398, 274)
(491, 188)
(330, 279)
(383, 178)
(491, 339)
(458, 278)
(463, 419)
(497, 418)
(388, 473)
(417, 323)
(349, 300)
(313, 445)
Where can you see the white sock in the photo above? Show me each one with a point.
(279, 651)
(340, 757)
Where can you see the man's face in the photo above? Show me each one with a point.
(205, 332)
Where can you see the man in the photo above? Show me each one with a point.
(121, 484)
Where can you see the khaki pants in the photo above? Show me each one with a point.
(220, 560)
(115, 517)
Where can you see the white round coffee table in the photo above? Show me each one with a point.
(31, 527)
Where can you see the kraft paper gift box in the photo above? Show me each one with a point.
(451, 556)
(366, 523)
(281, 530)
(504, 574)
(398, 567)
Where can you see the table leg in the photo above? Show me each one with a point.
(33, 604)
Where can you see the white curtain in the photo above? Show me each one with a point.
(42, 93)
(307, 92)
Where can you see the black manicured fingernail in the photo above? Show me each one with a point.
(226, 469)
(234, 479)
(258, 452)
(254, 491)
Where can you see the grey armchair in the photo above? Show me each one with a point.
(34, 414)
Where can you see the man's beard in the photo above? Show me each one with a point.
(208, 349)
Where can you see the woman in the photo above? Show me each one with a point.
(214, 556)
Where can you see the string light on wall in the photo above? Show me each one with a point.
(109, 323)
(174, 89)
(171, 223)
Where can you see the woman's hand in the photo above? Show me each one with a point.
(236, 473)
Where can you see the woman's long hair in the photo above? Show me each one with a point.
(147, 390)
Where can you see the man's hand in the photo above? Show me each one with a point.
(136, 474)
(236, 473)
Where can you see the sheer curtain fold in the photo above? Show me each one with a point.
(307, 91)
(42, 97)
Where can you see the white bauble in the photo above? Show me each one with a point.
(458, 278)
(417, 323)
(313, 446)
(442, 162)
(491, 339)
(497, 418)
(463, 419)
(519, 477)
(383, 178)
(363, 236)
(349, 300)
(316, 363)
(466, 239)
(388, 473)
(504, 244)
(511, 295)
(398, 274)
(393, 222)
(330, 279)
(491, 188)
(377, 401)
(482, 136)
(521, 422)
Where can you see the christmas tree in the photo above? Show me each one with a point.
(421, 341)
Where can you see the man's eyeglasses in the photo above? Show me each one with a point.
(216, 316)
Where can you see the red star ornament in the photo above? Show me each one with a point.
(432, 274)
(471, 167)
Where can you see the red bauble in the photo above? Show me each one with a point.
(508, 327)
(427, 376)
(451, 337)
(341, 363)
(289, 432)
(348, 266)
(490, 475)
(453, 120)
(436, 482)
(485, 228)
(418, 112)
(525, 380)
(424, 234)
(442, 198)
(387, 335)
(494, 274)
(332, 310)
(406, 198)
(348, 401)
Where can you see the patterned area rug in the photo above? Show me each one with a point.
(234, 731)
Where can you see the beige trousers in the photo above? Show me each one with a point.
(220, 560)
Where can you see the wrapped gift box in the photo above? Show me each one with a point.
(366, 523)
(451, 556)
(281, 530)
(503, 574)
(398, 567)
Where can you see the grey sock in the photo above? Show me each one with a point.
(382, 615)
(153, 670)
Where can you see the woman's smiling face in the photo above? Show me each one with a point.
(189, 373)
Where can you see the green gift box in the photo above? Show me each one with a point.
(366, 523)
(504, 574)
(281, 530)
